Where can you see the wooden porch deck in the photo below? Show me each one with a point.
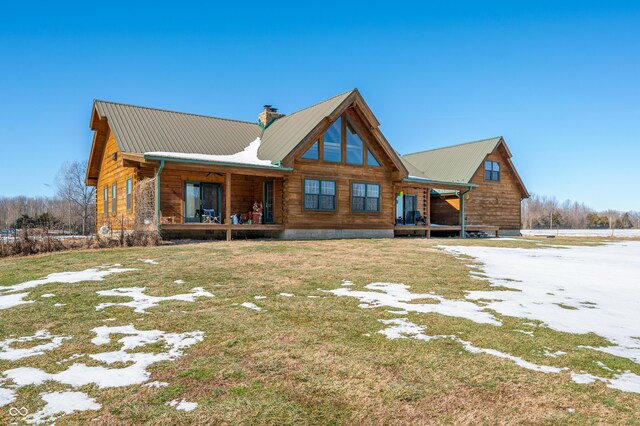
(220, 227)
(430, 228)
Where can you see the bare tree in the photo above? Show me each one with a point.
(71, 187)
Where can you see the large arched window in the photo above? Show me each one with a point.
(341, 143)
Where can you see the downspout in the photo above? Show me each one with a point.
(158, 194)
(461, 195)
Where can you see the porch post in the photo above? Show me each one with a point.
(227, 204)
(428, 213)
(158, 218)
(462, 214)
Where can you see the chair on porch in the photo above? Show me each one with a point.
(209, 216)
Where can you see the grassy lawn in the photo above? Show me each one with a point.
(307, 360)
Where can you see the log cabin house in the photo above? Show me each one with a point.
(325, 171)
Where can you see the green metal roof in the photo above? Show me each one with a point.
(456, 163)
(287, 132)
(140, 129)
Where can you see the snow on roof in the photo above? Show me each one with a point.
(249, 156)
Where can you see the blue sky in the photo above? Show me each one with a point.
(559, 80)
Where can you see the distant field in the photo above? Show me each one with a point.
(395, 331)
(603, 233)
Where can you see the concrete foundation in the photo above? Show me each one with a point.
(331, 234)
(509, 233)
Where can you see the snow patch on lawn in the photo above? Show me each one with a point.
(286, 295)
(7, 352)
(149, 261)
(7, 396)
(626, 382)
(11, 300)
(48, 295)
(555, 354)
(183, 405)
(252, 306)
(94, 274)
(399, 297)
(156, 384)
(141, 302)
(618, 233)
(179, 281)
(58, 403)
(579, 289)
(401, 328)
(81, 374)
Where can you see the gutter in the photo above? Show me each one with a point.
(216, 163)
(425, 180)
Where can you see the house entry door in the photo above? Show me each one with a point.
(201, 196)
(409, 209)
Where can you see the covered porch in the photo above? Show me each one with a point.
(416, 214)
(198, 199)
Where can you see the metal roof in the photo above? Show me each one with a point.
(456, 163)
(140, 129)
(287, 132)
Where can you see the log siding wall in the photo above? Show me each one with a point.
(114, 172)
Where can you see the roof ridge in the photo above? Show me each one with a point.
(175, 112)
(321, 102)
(453, 146)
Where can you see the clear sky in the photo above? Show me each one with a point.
(560, 80)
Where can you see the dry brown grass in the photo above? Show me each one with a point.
(306, 360)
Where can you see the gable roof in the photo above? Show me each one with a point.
(458, 163)
(140, 129)
(285, 133)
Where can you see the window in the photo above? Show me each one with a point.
(319, 194)
(371, 159)
(333, 142)
(491, 170)
(105, 201)
(355, 146)
(313, 153)
(114, 195)
(365, 197)
(129, 194)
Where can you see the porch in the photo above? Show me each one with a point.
(422, 209)
(444, 228)
(195, 198)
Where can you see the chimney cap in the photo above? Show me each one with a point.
(267, 107)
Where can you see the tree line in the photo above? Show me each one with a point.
(71, 210)
(543, 212)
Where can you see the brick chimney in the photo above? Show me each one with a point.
(268, 116)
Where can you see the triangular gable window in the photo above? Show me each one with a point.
(333, 142)
(313, 153)
(355, 145)
(371, 159)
